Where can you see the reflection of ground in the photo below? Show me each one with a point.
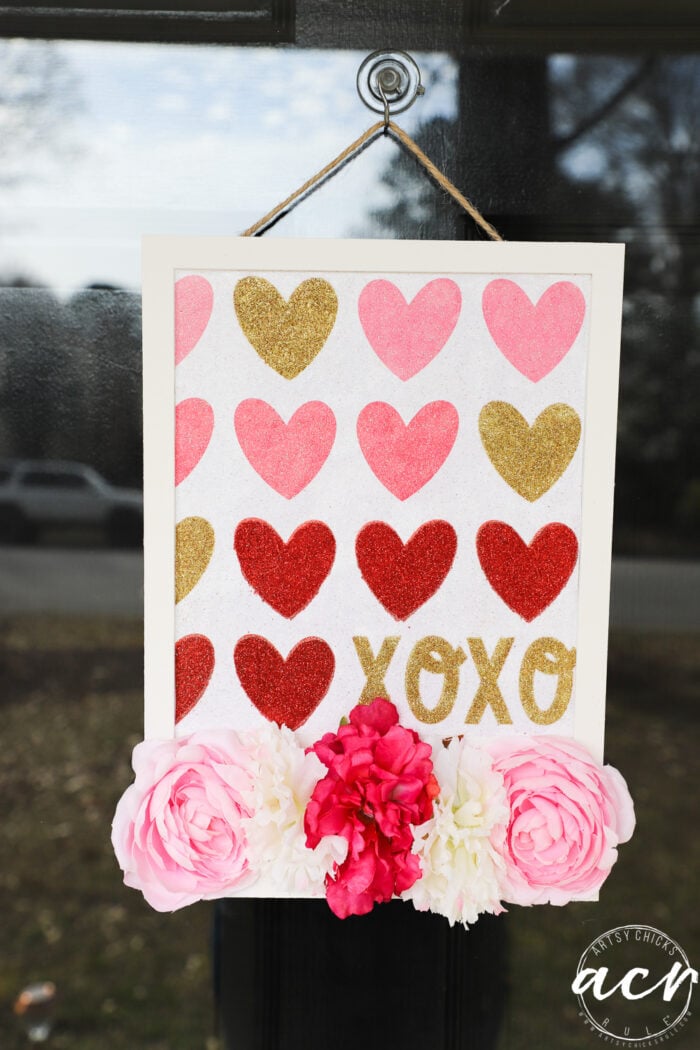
(650, 594)
(71, 581)
(645, 594)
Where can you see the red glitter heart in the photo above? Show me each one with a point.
(286, 575)
(284, 691)
(527, 578)
(194, 664)
(404, 575)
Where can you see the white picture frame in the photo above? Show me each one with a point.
(599, 265)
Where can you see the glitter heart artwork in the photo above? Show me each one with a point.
(366, 452)
(405, 456)
(528, 577)
(407, 336)
(194, 546)
(194, 423)
(194, 664)
(284, 691)
(403, 576)
(529, 459)
(285, 455)
(286, 335)
(194, 300)
(286, 575)
(533, 337)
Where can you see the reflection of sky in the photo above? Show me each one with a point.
(199, 140)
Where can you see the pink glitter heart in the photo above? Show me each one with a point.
(285, 455)
(194, 423)
(533, 337)
(194, 299)
(407, 336)
(405, 456)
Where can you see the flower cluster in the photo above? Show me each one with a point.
(368, 813)
(178, 830)
(285, 776)
(379, 785)
(461, 848)
(567, 816)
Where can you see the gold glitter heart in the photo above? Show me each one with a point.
(287, 335)
(194, 546)
(529, 459)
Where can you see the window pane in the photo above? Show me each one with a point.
(582, 130)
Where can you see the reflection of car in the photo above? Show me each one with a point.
(55, 494)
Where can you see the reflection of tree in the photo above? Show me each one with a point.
(70, 378)
(105, 328)
(648, 160)
(620, 161)
(38, 99)
(419, 209)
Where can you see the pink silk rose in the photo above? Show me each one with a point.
(567, 816)
(379, 784)
(177, 831)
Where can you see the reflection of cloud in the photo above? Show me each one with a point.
(119, 133)
(561, 65)
(585, 161)
(302, 83)
(307, 106)
(219, 111)
(176, 76)
(273, 118)
(171, 103)
(273, 89)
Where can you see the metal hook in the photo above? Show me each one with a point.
(389, 82)
(387, 111)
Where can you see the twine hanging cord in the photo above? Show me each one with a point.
(354, 148)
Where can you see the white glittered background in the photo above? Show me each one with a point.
(470, 371)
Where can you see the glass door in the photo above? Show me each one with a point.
(561, 122)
